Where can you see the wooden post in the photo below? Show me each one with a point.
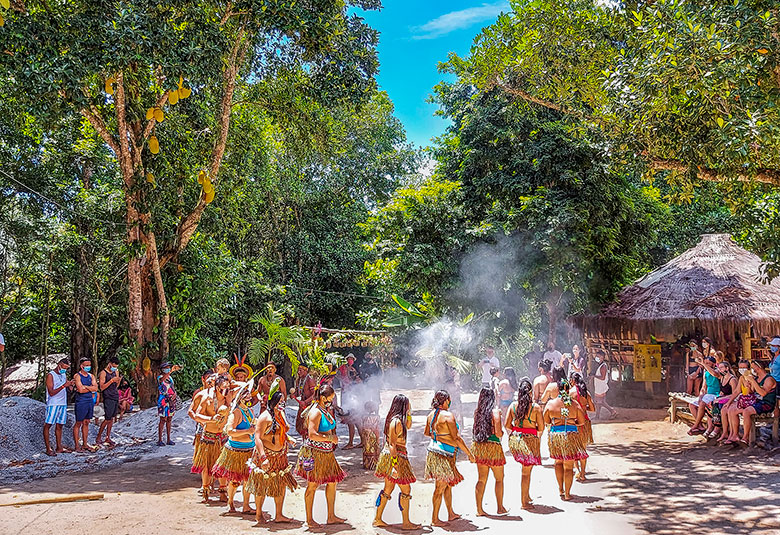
(747, 352)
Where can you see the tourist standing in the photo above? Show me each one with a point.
(108, 380)
(552, 354)
(487, 449)
(393, 465)
(578, 362)
(86, 397)
(166, 403)
(488, 362)
(525, 421)
(601, 385)
(440, 463)
(57, 385)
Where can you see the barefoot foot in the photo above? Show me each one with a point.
(335, 520)
(281, 519)
(410, 527)
(453, 516)
(379, 524)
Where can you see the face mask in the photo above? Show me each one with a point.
(113, 369)
(166, 370)
(62, 371)
(705, 345)
(597, 359)
(328, 404)
(754, 372)
(743, 371)
(87, 368)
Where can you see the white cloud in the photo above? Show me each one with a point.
(458, 20)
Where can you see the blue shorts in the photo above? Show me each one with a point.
(84, 411)
(56, 414)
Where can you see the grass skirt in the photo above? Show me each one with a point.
(370, 449)
(442, 468)
(403, 469)
(276, 480)
(567, 446)
(231, 465)
(488, 453)
(207, 451)
(525, 448)
(318, 465)
(587, 432)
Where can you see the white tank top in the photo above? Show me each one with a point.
(61, 397)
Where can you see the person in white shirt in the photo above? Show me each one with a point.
(553, 355)
(601, 385)
(486, 364)
(57, 405)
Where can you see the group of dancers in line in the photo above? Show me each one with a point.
(237, 448)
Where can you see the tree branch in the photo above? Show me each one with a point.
(765, 175)
(189, 224)
(97, 123)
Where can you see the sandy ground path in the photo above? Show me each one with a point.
(646, 476)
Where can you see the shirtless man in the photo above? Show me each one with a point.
(544, 378)
(552, 391)
(303, 393)
(209, 408)
(264, 385)
(270, 457)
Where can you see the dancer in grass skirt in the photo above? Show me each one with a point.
(270, 472)
(565, 416)
(579, 392)
(526, 423)
(440, 465)
(231, 464)
(487, 449)
(393, 465)
(317, 463)
(208, 409)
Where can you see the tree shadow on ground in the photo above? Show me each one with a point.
(695, 488)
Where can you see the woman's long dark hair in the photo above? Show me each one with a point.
(325, 391)
(523, 400)
(558, 373)
(579, 382)
(483, 416)
(399, 408)
(511, 376)
(272, 403)
(439, 399)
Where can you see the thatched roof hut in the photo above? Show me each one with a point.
(713, 288)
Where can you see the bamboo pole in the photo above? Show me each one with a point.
(57, 499)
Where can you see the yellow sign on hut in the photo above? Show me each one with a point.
(647, 363)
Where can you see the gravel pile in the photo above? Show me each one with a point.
(22, 450)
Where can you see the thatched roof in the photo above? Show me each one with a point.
(713, 288)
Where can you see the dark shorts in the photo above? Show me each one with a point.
(84, 411)
(111, 407)
(762, 406)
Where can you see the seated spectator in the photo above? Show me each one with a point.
(126, 398)
(743, 389)
(728, 385)
(763, 401)
(709, 392)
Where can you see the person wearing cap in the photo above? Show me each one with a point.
(86, 397)
(57, 385)
(774, 364)
(166, 403)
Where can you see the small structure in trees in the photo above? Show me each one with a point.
(716, 289)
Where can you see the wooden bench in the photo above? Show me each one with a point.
(678, 400)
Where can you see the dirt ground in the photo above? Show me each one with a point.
(646, 476)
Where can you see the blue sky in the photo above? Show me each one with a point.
(414, 37)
